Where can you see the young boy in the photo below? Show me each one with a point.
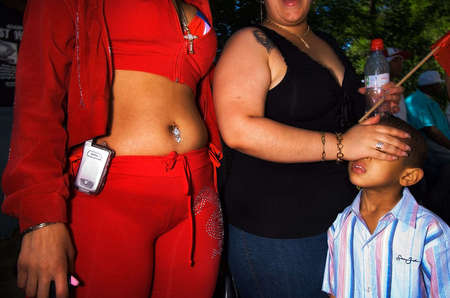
(385, 244)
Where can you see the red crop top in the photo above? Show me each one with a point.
(146, 36)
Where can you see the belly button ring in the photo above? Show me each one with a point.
(175, 132)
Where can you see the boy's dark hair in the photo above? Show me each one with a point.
(417, 143)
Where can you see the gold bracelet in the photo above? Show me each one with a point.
(322, 137)
(339, 154)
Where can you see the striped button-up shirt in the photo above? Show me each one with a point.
(406, 256)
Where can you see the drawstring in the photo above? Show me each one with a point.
(170, 161)
(214, 156)
(170, 164)
(187, 172)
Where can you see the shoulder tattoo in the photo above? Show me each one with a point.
(263, 39)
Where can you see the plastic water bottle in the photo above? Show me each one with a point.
(376, 74)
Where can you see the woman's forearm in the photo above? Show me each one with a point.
(270, 140)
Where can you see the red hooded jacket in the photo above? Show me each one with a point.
(64, 76)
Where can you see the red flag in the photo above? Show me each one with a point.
(442, 55)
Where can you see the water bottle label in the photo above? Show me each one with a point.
(376, 81)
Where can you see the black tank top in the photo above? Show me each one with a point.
(299, 199)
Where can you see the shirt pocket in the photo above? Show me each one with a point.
(405, 271)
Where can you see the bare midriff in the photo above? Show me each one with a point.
(152, 115)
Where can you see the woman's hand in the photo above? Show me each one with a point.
(46, 254)
(361, 141)
(392, 94)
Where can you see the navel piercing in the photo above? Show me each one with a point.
(175, 132)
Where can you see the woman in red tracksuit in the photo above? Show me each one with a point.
(126, 74)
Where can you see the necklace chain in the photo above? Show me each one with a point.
(181, 15)
(300, 37)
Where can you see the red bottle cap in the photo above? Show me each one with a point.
(377, 45)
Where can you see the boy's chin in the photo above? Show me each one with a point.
(362, 184)
(358, 183)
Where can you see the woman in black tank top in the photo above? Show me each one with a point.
(282, 92)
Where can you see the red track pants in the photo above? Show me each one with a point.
(138, 237)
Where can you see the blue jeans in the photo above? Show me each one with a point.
(276, 268)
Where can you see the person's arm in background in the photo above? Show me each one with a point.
(420, 115)
(437, 136)
(242, 79)
(35, 182)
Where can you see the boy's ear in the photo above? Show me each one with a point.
(411, 176)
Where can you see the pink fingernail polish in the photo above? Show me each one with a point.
(73, 281)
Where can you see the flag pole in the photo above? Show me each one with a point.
(378, 103)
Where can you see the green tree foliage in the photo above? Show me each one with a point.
(231, 15)
(412, 25)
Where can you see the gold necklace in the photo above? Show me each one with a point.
(301, 38)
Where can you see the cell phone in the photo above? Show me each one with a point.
(93, 168)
